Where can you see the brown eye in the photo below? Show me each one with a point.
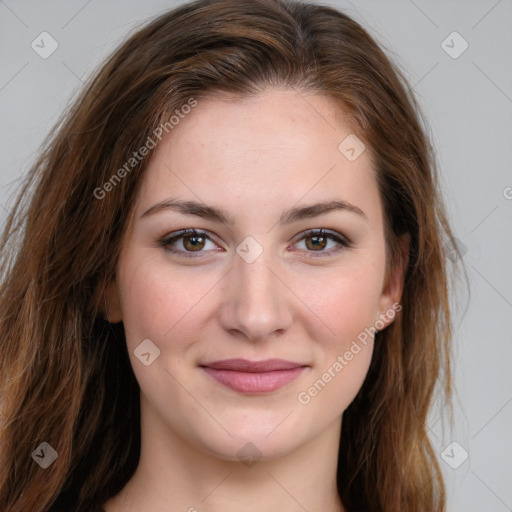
(188, 243)
(194, 242)
(323, 243)
(315, 242)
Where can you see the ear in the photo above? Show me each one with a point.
(112, 306)
(393, 287)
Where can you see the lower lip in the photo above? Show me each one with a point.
(261, 382)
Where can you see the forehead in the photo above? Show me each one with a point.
(277, 120)
(276, 147)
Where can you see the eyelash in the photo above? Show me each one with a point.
(331, 235)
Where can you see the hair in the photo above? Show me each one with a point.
(66, 377)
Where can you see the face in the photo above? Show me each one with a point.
(257, 281)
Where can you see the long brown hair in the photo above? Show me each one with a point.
(66, 378)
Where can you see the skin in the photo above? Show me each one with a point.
(255, 158)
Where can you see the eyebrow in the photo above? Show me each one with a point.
(219, 215)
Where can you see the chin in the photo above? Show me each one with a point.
(254, 437)
(250, 449)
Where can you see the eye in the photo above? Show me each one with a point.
(187, 242)
(316, 240)
(190, 243)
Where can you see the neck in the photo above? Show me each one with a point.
(174, 475)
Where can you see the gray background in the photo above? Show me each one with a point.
(468, 104)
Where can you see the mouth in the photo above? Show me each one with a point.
(254, 377)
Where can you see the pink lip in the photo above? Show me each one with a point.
(253, 376)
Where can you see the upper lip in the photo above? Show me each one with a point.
(243, 365)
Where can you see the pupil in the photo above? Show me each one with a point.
(317, 241)
(194, 241)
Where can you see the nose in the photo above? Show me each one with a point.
(257, 303)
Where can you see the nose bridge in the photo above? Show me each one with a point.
(257, 302)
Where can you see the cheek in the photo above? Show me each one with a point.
(161, 306)
(160, 303)
(346, 299)
(352, 309)
(347, 303)
(342, 359)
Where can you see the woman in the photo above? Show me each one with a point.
(224, 281)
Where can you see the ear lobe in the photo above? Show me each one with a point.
(393, 288)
